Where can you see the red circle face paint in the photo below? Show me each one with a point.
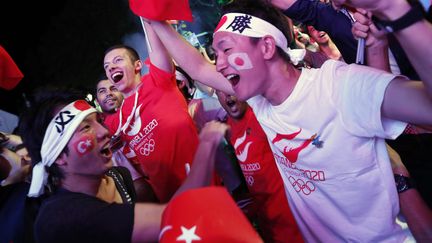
(240, 61)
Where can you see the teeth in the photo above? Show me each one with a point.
(117, 76)
(230, 76)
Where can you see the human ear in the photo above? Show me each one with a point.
(62, 159)
(138, 65)
(268, 46)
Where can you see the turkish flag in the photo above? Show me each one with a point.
(162, 9)
(206, 214)
(10, 75)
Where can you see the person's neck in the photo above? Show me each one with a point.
(82, 183)
(281, 82)
(137, 85)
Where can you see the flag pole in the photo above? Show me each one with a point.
(149, 48)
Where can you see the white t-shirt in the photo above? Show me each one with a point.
(328, 141)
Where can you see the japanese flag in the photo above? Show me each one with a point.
(10, 75)
(162, 9)
(206, 215)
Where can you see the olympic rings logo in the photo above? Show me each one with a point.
(250, 180)
(299, 185)
(148, 148)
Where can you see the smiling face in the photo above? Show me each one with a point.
(320, 37)
(88, 149)
(241, 62)
(108, 96)
(121, 70)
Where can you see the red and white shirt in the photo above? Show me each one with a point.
(160, 132)
(263, 180)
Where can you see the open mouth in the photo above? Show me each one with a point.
(106, 151)
(234, 79)
(230, 103)
(117, 76)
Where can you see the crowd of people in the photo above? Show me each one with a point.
(293, 141)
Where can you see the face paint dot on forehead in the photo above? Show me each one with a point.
(81, 105)
(240, 61)
(85, 144)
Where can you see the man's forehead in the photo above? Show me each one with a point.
(222, 38)
(104, 84)
(115, 53)
(89, 117)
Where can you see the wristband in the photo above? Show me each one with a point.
(403, 183)
(415, 14)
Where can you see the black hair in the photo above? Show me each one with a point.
(102, 76)
(188, 96)
(34, 121)
(263, 10)
(133, 54)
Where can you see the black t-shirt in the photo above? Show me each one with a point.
(77, 217)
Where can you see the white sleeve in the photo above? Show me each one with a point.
(361, 95)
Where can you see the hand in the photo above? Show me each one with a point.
(380, 8)
(365, 28)
(213, 132)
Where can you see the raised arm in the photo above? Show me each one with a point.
(158, 54)
(148, 216)
(414, 39)
(283, 4)
(376, 42)
(203, 165)
(322, 16)
(189, 58)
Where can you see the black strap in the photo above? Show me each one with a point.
(124, 183)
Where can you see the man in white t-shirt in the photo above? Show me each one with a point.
(326, 126)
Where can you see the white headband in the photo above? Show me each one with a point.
(251, 26)
(57, 135)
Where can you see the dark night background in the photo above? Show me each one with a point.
(62, 42)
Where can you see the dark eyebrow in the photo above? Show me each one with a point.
(220, 43)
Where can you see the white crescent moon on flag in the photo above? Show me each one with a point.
(163, 230)
(83, 146)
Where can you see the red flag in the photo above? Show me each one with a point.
(10, 75)
(206, 215)
(162, 9)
